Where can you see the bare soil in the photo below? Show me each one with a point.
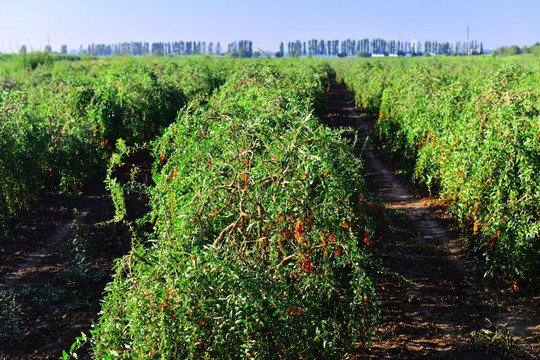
(438, 307)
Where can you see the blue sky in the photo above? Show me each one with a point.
(36, 23)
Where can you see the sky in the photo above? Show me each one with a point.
(37, 23)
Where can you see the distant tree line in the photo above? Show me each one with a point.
(243, 49)
(369, 47)
(314, 47)
(516, 50)
(156, 48)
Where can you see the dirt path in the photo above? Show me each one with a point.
(36, 261)
(434, 313)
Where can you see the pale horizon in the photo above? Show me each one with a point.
(37, 24)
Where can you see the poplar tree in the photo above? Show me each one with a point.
(280, 53)
(322, 48)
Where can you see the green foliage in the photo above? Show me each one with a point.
(366, 79)
(516, 50)
(11, 318)
(60, 122)
(43, 295)
(262, 233)
(471, 130)
(35, 59)
(363, 54)
(80, 270)
(79, 342)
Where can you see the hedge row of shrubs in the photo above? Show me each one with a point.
(261, 236)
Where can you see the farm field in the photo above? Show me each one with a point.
(470, 130)
(257, 231)
(438, 306)
(61, 121)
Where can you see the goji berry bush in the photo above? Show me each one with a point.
(261, 235)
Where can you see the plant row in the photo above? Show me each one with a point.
(60, 121)
(470, 129)
(261, 232)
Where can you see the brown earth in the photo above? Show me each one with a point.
(438, 307)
